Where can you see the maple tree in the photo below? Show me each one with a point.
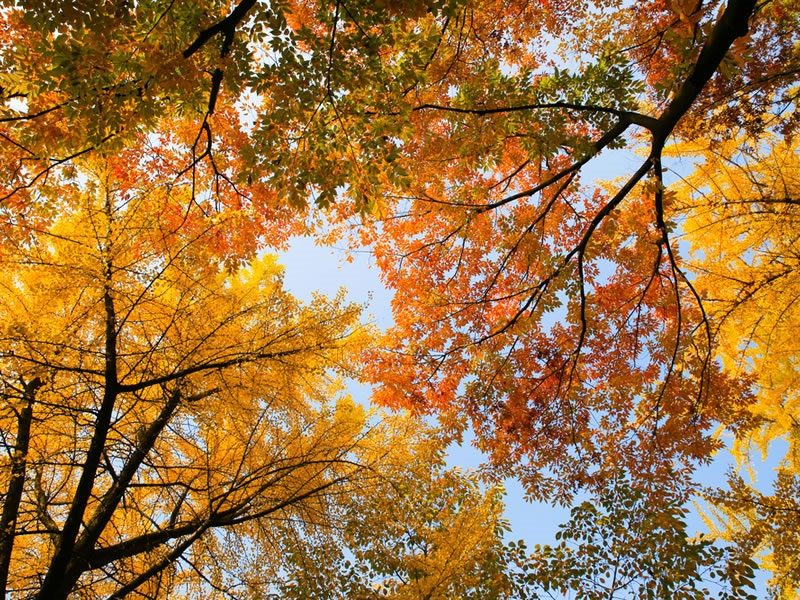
(576, 343)
(164, 417)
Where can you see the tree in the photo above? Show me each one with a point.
(356, 96)
(579, 325)
(740, 216)
(740, 211)
(557, 319)
(761, 525)
(434, 535)
(620, 547)
(160, 412)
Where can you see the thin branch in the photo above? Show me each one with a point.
(627, 116)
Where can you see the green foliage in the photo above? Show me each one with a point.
(634, 543)
(425, 533)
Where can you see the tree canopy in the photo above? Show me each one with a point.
(171, 427)
(587, 329)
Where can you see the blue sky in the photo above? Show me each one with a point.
(311, 268)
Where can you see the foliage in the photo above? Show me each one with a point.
(557, 318)
(620, 547)
(433, 534)
(762, 525)
(312, 99)
(741, 218)
(740, 207)
(160, 414)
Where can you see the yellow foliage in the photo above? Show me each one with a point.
(742, 217)
(191, 418)
(740, 211)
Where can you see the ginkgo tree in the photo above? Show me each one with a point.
(427, 538)
(740, 215)
(164, 417)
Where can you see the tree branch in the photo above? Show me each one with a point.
(630, 117)
(732, 24)
(227, 27)
(13, 496)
